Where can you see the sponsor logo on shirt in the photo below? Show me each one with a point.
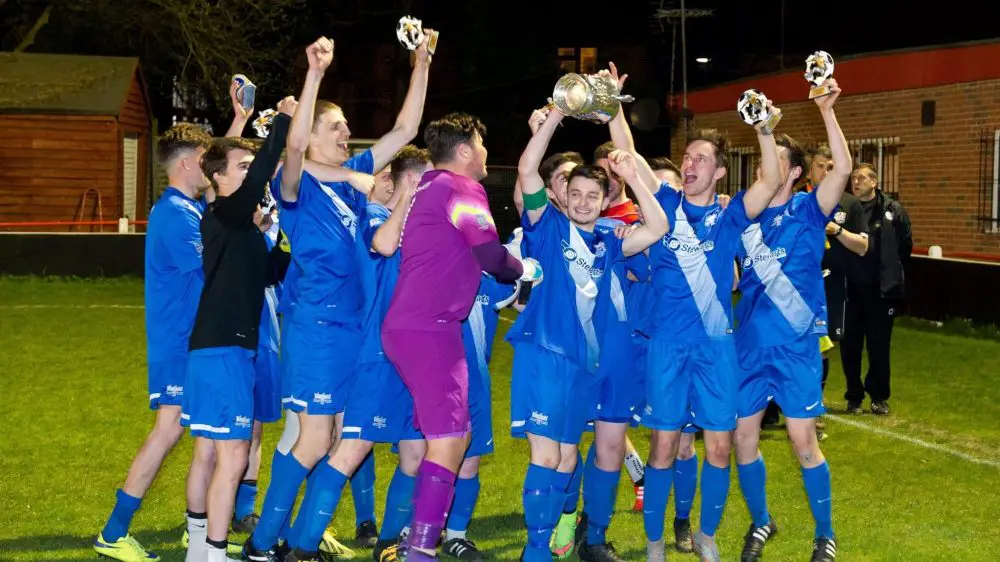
(775, 254)
(675, 245)
(571, 256)
(483, 299)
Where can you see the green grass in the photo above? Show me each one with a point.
(73, 382)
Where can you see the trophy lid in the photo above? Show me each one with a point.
(571, 93)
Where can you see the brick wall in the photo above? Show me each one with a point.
(939, 165)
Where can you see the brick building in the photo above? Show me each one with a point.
(928, 119)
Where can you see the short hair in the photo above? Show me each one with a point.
(821, 150)
(443, 135)
(663, 163)
(216, 158)
(408, 158)
(591, 172)
(796, 154)
(718, 140)
(180, 137)
(552, 163)
(321, 108)
(868, 166)
(603, 151)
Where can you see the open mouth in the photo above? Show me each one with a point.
(690, 178)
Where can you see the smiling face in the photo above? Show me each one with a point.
(586, 195)
(330, 133)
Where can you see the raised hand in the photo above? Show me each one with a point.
(623, 164)
(826, 102)
(614, 75)
(288, 106)
(320, 54)
(238, 108)
(423, 54)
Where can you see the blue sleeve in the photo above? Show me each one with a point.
(735, 214)
(535, 235)
(638, 266)
(182, 238)
(376, 218)
(669, 198)
(807, 206)
(364, 162)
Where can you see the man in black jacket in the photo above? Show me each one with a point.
(220, 370)
(875, 288)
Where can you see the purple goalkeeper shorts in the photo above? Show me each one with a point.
(432, 366)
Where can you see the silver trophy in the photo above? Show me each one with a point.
(262, 124)
(753, 110)
(819, 69)
(246, 91)
(590, 97)
(410, 32)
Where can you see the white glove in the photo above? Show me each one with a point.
(532, 271)
(514, 246)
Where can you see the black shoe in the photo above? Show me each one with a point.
(299, 555)
(683, 541)
(461, 549)
(366, 534)
(598, 553)
(880, 408)
(854, 407)
(824, 550)
(246, 525)
(755, 539)
(251, 554)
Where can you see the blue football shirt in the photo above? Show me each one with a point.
(322, 227)
(379, 275)
(173, 274)
(693, 268)
(782, 296)
(576, 264)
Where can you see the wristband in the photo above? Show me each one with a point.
(535, 201)
(839, 230)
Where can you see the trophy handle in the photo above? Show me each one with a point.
(625, 98)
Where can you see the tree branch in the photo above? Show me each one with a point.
(39, 24)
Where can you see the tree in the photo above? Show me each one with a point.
(196, 44)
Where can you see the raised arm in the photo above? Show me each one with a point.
(239, 208)
(320, 55)
(408, 121)
(832, 187)
(386, 238)
(532, 185)
(759, 196)
(240, 114)
(655, 224)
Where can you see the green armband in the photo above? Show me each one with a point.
(535, 201)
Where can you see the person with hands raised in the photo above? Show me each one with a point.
(782, 314)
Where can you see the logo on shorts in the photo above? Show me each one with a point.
(539, 418)
(380, 422)
(322, 398)
(243, 421)
(175, 390)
